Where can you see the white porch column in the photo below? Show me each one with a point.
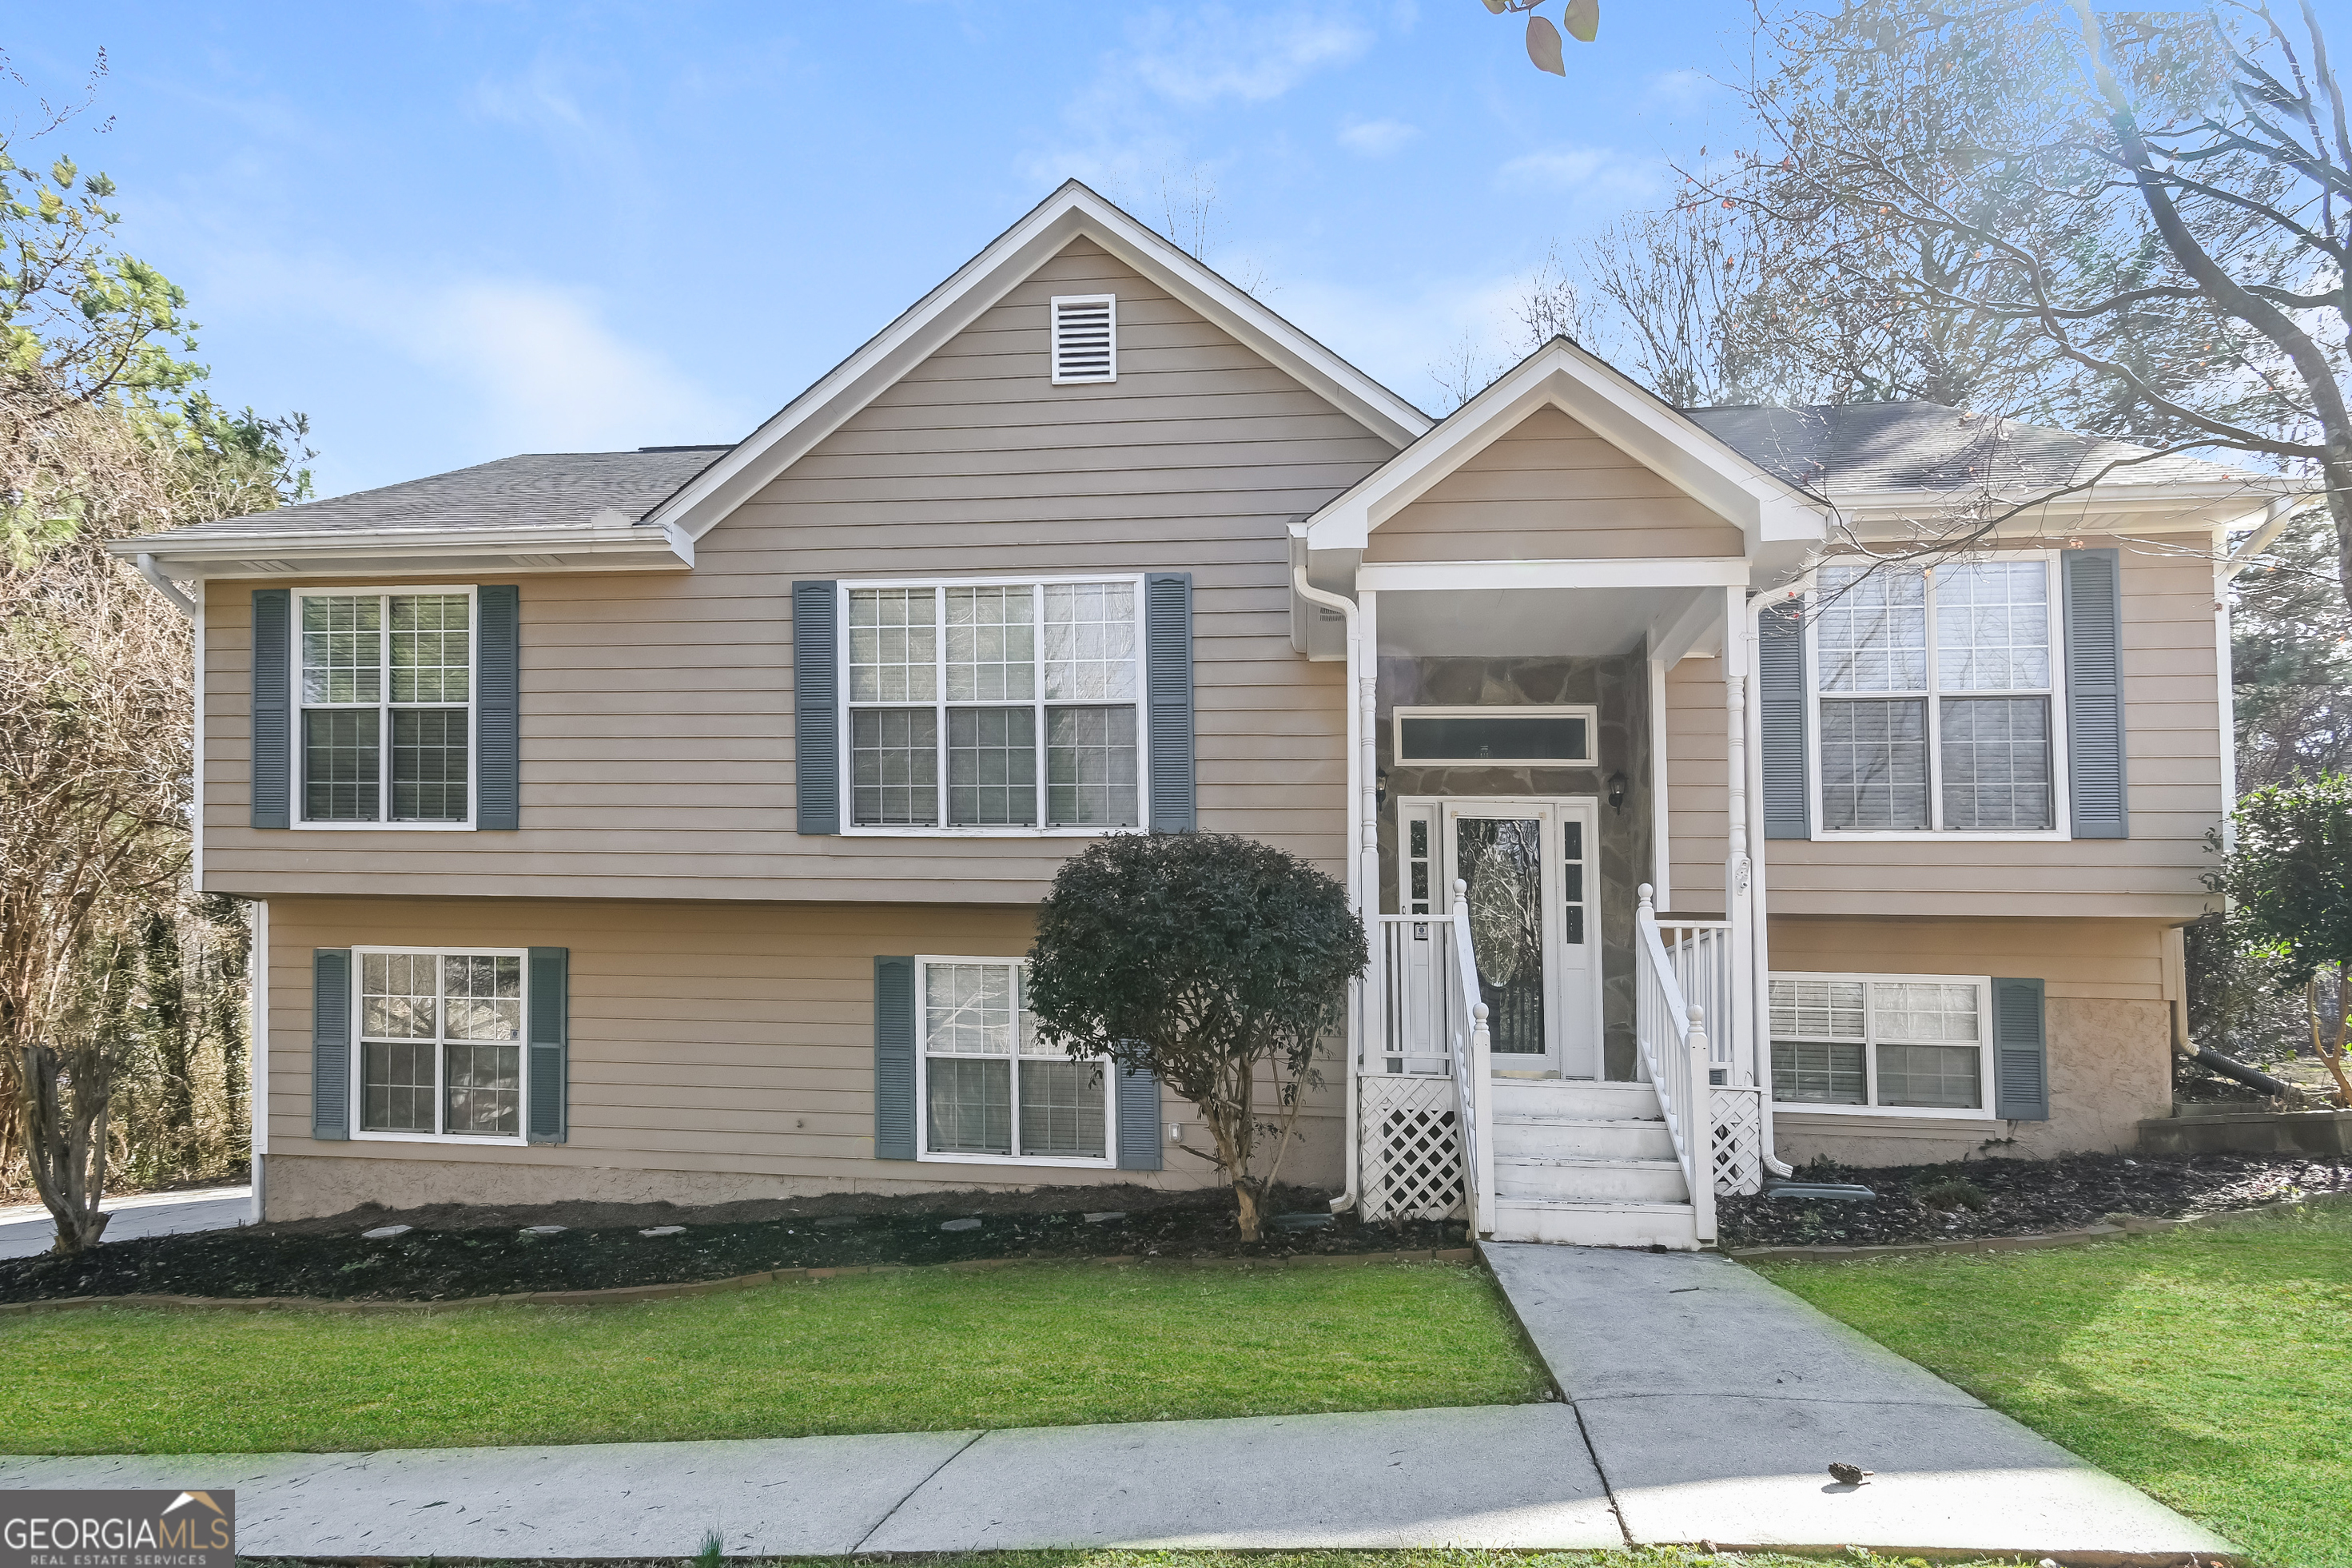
(1737, 871)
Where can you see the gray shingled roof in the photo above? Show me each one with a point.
(535, 489)
(1872, 447)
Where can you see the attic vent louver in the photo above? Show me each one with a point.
(1085, 338)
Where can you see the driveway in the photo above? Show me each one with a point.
(26, 1228)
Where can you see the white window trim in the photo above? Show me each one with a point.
(357, 1073)
(2062, 828)
(851, 828)
(1985, 1088)
(1109, 1160)
(1053, 339)
(295, 797)
(1584, 710)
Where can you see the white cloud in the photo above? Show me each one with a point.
(1213, 54)
(1377, 138)
(1588, 174)
(1681, 90)
(549, 374)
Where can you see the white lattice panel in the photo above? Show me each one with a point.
(1738, 1118)
(1411, 1148)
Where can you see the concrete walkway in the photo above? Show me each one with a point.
(26, 1228)
(1707, 1405)
(1715, 1403)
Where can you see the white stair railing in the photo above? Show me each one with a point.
(1671, 1031)
(1473, 1069)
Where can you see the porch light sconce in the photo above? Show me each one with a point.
(1617, 792)
(1380, 787)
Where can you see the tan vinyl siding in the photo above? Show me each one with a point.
(729, 1043)
(657, 710)
(1550, 489)
(1698, 736)
(2111, 960)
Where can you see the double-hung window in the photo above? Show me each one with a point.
(440, 1037)
(1913, 1044)
(387, 688)
(994, 706)
(990, 1090)
(1934, 698)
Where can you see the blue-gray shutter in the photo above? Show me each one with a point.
(2019, 1052)
(497, 703)
(894, 1059)
(1781, 700)
(816, 713)
(2093, 585)
(273, 716)
(331, 1042)
(1138, 1111)
(547, 983)
(1168, 691)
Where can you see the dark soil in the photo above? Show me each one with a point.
(2021, 1197)
(453, 1253)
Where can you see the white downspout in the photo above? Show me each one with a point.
(1760, 946)
(165, 586)
(1363, 867)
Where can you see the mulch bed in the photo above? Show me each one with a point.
(452, 1254)
(2023, 1197)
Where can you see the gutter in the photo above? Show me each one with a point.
(1362, 893)
(165, 586)
(2279, 511)
(329, 549)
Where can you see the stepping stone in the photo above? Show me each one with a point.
(542, 1231)
(962, 1225)
(384, 1233)
(1103, 1217)
(662, 1230)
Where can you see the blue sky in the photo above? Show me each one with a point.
(452, 231)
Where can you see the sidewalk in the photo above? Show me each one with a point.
(1707, 1405)
(26, 1229)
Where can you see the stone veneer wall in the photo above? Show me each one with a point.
(1618, 688)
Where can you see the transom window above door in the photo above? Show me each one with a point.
(386, 685)
(1934, 697)
(994, 705)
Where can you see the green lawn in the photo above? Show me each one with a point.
(1043, 1345)
(2210, 1367)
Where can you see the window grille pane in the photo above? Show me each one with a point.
(432, 651)
(992, 767)
(1832, 1007)
(1871, 631)
(969, 1009)
(428, 764)
(1874, 764)
(992, 644)
(894, 767)
(483, 997)
(1940, 1075)
(1992, 626)
(343, 652)
(1997, 763)
(1089, 642)
(968, 1107)
(893, 645)
(340, 761)
(1924, 1011)
(1090, 767)
(397, 1085)
(397, 997)
(1062, 1109)
(1495, 737)
(1818, 1072)
(485, 1089)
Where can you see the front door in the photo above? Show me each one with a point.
(1527, 882)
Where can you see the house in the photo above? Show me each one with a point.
(666, 823)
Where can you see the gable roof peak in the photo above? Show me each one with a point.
(1073, 211)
